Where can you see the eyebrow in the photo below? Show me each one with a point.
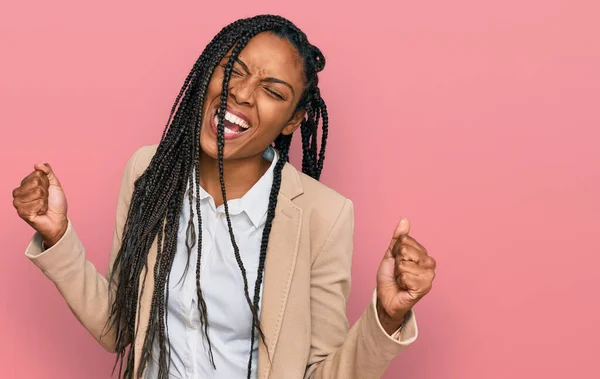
(270, 79)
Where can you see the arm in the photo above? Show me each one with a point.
(365, 350)
(79, 282)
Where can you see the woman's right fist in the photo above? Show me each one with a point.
(41, 202)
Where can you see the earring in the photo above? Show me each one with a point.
(269, 154)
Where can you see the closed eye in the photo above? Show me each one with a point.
(274, 94)
(233, 70)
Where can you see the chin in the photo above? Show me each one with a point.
(209, 147)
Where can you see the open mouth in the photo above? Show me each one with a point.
(235, 126)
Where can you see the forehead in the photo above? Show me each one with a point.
(272, 56)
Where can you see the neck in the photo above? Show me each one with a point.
(239, 175)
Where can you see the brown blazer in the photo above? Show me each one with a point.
(305, 290)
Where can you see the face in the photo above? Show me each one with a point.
(264, 90)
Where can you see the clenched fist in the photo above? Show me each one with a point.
(405, 275)
(41, 202)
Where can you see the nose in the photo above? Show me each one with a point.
(242, 92)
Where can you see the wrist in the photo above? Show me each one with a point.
(389, 323)
(48, 242)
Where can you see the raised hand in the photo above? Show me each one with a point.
(404, 276)
(41, 202)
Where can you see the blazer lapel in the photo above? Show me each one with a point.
(279, 265)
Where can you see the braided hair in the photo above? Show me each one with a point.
(158, 193)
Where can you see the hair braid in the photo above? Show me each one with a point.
(221, 145)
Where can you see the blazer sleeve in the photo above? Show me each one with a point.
(337, 352)
(76, 278)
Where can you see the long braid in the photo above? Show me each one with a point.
(158, 195)
(282, 145)
(241, 43)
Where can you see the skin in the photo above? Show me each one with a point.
(266, 89)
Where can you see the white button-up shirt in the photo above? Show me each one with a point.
(229, 317)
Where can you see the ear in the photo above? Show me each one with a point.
(294, 122)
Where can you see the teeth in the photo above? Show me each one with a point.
(227, 130)
(236, 120)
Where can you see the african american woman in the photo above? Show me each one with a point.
(227, 262)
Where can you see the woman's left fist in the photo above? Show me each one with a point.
(404, 276)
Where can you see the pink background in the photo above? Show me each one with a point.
(477, 120)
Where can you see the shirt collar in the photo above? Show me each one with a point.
(256, 201)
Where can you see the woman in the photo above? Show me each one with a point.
(185, 287)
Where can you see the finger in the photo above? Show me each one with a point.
(408, 281)
(403, 228)
(407, 253)
(408, 240)
(418, 285)
(409, 267)
(28, 211)
(30, 207)
(425, 274)
(28, 177)
(33, 180)
(399, 282)
(35, 193)
(47, 169)
(36, 177)
(428, 263)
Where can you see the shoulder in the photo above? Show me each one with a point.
(140, 159)
(319, 193)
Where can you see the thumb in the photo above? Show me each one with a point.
(47, 169)
(402, 228)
